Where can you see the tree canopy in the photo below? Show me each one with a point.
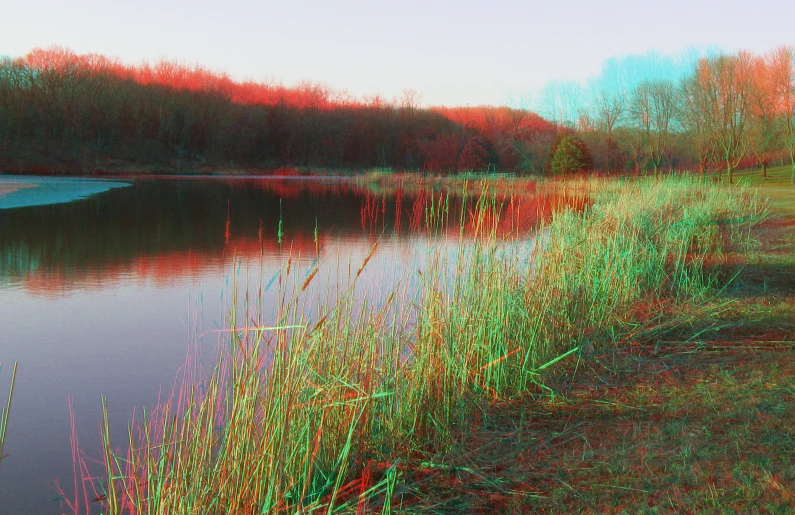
(62, 112)
(478, 154)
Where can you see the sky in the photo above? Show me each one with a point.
(452, 52)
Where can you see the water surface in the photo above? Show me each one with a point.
(106, 286)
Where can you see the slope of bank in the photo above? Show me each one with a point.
(695, 415)
(424, 386)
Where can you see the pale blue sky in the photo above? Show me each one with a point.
(454, 53)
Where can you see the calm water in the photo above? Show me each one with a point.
(102, 294)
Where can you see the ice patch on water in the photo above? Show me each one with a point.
(38, 191)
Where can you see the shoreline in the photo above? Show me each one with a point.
(401, 413)
(712, 368)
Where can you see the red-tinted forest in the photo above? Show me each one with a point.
(69, 113)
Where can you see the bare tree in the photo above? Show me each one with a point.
(518, 113)
(561, 102)
(607, 110)
(694, 113)
(764, 135)
(783, 78)
(726, 80)
(410, 102)
(631, 138)
(652, 108)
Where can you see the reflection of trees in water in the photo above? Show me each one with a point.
(172, 228)
(440, 212)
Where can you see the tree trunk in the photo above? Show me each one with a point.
(792, 161)
(730, 172)
(656, 170)
(702, 168)
(764, 170)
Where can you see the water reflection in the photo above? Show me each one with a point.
(164, 231)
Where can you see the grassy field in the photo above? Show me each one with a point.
(777, 186)
(640, 362)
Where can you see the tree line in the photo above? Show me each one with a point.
(60, 111)
(721, 111)
(66, 112)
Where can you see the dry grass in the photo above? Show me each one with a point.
(402, 403)
(692, 415)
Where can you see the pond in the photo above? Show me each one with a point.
(105, 286)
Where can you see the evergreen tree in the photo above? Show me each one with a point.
(569, 154)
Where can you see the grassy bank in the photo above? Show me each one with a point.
(690, 415)
(371, 405)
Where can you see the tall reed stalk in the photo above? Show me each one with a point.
(6, 410)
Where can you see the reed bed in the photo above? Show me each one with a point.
(323, 406)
